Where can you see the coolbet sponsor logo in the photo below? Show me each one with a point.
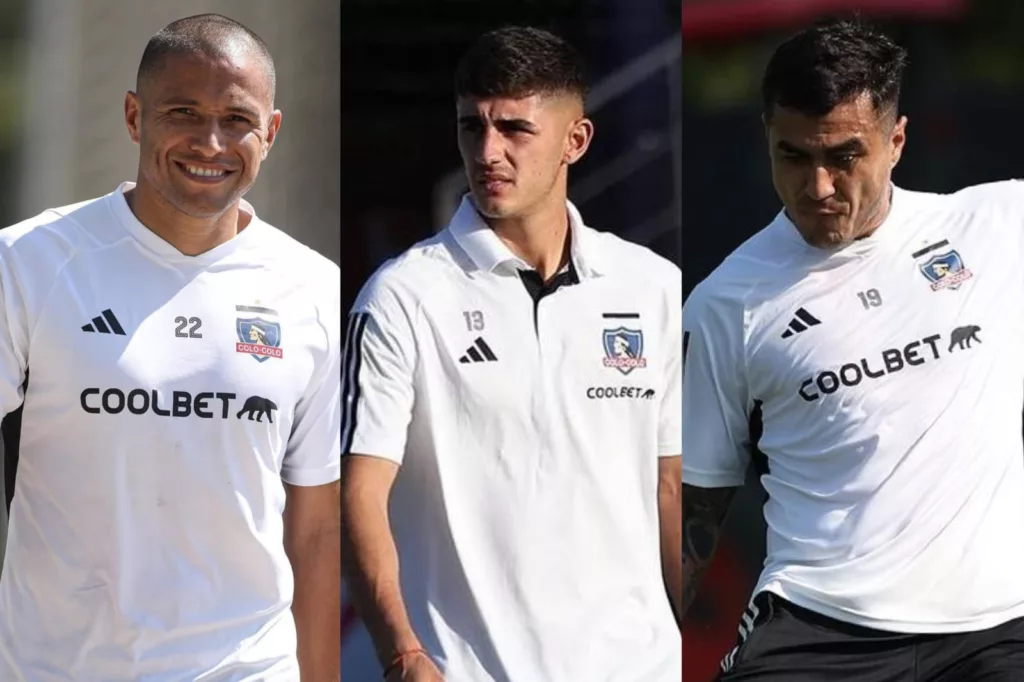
(620, 392)
(206, 405)
(890, 361)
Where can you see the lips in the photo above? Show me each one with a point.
(493, 184)
(203, 171)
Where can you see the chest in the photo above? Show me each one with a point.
(228, 335)
(933, 312)
(589, 349)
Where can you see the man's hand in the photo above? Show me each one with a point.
(416, 668)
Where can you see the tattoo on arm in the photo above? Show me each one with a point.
(704, 510)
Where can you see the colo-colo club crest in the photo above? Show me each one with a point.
(624, 349)
(945, 270)
(258, 337)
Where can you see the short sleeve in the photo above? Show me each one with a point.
(313, 455)
(378, 377)
(715, 425)
(669, 426)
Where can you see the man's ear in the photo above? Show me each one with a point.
(578, 141)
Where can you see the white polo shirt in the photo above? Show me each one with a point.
(525, 511)
(888, 379)
(168, 399)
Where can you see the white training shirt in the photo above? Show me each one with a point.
(889, 380)
(168, 398)
(525, 512)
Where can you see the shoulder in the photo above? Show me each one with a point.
(1010, 192)
(292, 258)
(1001, 194)
(640, 265)
(636, 259)
(305, 274)
(403, 283)
(44, 243)
(749, 270)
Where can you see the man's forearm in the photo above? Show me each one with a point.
(370, 567)
(672, 549)
(316, 605)
(704, 510)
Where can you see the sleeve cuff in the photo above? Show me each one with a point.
(707, 479)
(311, 477)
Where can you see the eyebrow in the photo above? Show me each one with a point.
(234, 109)
(851, 145)
(501, 122)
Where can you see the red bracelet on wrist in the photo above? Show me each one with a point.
(401, 657)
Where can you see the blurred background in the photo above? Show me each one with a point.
(65, 66)
(963, 94)
(401, 168)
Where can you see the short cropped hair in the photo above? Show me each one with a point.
(212, 35)
(834, 62)
(517, 62)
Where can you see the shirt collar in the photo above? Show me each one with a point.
(489, 254)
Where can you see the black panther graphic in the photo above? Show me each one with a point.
(257, 407)
(963, 336)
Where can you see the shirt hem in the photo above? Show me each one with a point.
(896, 626)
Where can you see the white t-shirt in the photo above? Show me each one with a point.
(889, 382)
(168, 397)
(525, 511)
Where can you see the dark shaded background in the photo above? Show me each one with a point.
(398, 125)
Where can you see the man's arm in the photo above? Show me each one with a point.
(370, 562)
(670, 520)
(704, 511)
(312, 540)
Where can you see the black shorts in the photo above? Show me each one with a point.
(781, 642)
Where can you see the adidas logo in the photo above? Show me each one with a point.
(479, 352)
(800, 323)
(98, 324)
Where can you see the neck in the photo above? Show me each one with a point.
(880, 214)
(541, 239)
(189, 235)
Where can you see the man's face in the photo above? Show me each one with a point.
(203, 127)
(516, 151)
(833, 172)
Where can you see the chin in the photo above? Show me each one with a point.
(201, 205)
(201, 209)
(492, 207)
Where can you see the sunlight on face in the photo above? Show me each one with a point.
(833, 172)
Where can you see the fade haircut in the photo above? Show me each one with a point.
(210, 35)
(517, 62)
(833, 62)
